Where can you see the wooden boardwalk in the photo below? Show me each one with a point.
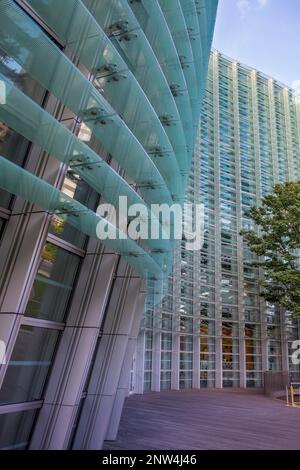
(207, 420)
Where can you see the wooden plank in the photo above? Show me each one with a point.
(207, 419)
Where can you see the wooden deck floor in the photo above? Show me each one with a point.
(207, 420)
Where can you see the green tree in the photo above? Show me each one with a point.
(276, 239)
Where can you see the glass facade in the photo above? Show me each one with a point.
(222, 332)
(111, 114)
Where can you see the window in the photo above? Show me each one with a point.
(29, 365)
(15, 429)
(53, 284)
(75, 187)
(14, 147)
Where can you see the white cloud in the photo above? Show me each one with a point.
(245, 6)
(262, 3)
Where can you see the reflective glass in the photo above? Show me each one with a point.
(75, 187)
(12, 145)
(53, 284)
(15, 429)
(29, 365)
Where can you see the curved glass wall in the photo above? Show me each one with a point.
(146, 129)
(97, 101)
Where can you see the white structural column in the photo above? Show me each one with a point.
(124, 381)
(218, 275)
(176, 294)
(239, 213)
(139, 359)
(103, 384)
(76, 348)
(156, 351)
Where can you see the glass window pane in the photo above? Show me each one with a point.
(29, 365)
(207, 379)
(21, 79)
(12, 145)
(15, 429)
(231, 379)
(75, 187)
(147, 381)
(185, 379)
(53, 284)
(165, 381)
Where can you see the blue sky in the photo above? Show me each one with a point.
(264, 34)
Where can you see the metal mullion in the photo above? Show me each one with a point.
(65, 245)
(4, 213)
(52, 325)
(18, 407)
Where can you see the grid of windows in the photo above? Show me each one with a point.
(248, 140)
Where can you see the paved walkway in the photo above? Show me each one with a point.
(208, 420)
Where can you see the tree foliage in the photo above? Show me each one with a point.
(276, 240)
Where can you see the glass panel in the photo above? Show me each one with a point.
(43, 60)
(15, 429)
(253, 362)
(166, 341)
(12, 145)
(207, 379)
(207, 344)
(165, 380)
(185, 379)
(207, 361)
(207, 327)
(53, 284)
(75, 187)
(147, 381)
(21, 79)
(254, 379)
(29, 365)
(231, 379)
(46, 196)
(186, 343)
